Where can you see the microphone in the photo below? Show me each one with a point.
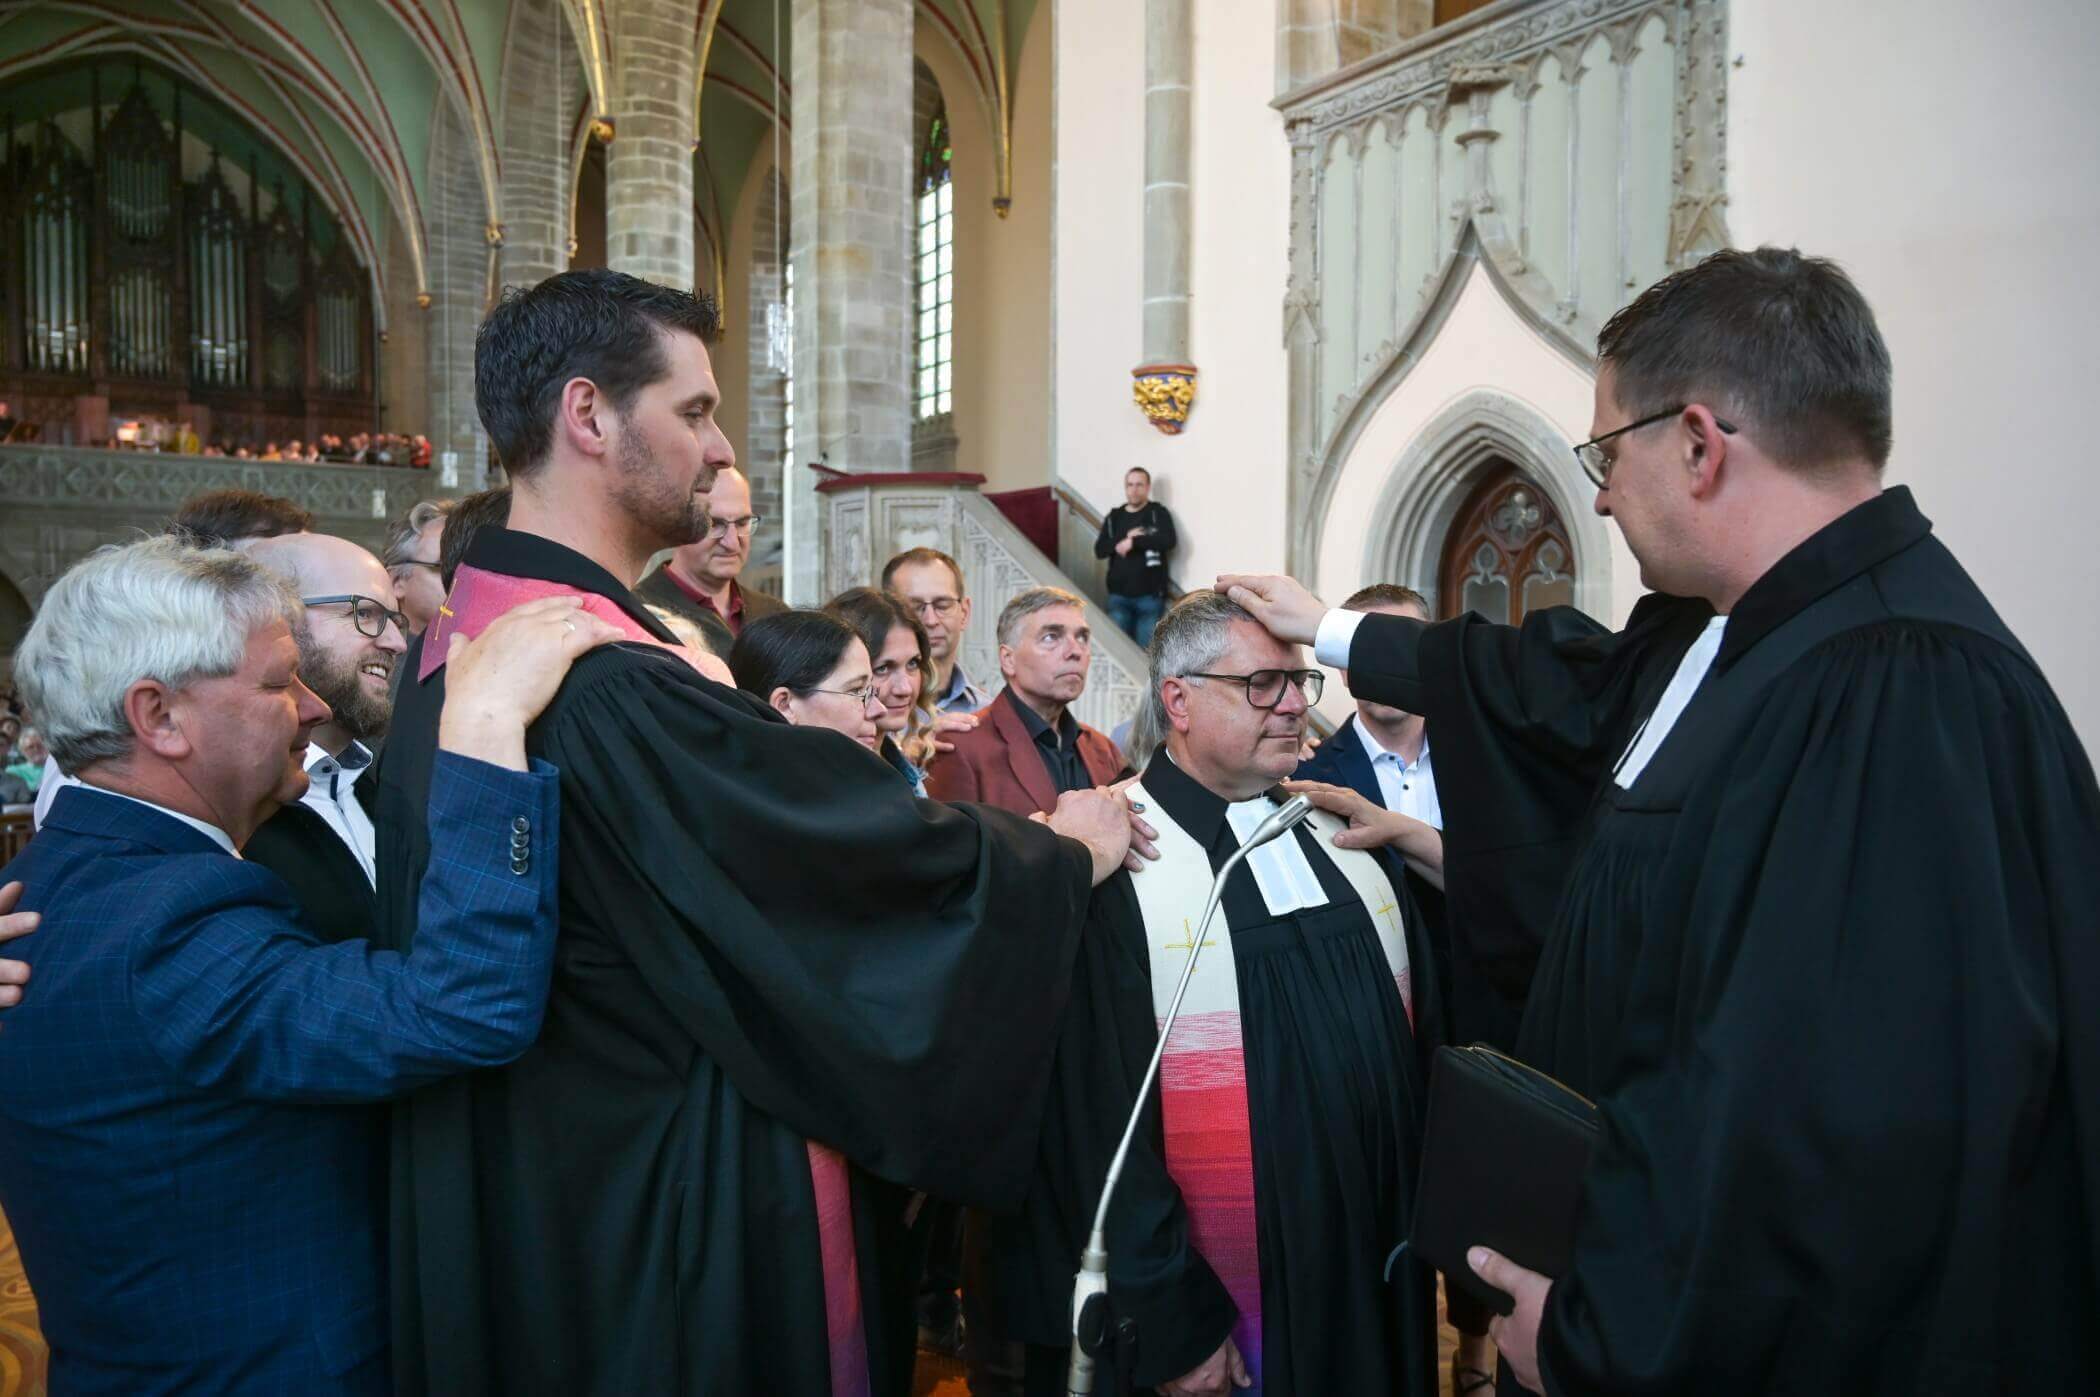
(1092, 1280)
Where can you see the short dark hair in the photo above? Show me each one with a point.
(219, 517)
(873, 614)
(1139, 470)
(790, 650)
(919, 557)
(466, 519)
(1783, 341)
(596, 324)
(1385, 594)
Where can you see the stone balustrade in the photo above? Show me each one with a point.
(59, 503)
(870, 518)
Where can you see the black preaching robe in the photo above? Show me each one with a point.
(765, 940)
(1831, 968)
(1334, 1081)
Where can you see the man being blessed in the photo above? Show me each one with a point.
(768, 947)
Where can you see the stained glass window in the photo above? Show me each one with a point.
(1508, 552)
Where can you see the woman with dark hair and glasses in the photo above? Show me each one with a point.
(903, 659)
(813, 670)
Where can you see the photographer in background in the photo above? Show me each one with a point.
(1136, 539)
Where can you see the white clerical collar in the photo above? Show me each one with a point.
(211, 832)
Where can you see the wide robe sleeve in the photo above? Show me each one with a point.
(1156, 1276)
(881, 973)
(1860, 1090)
(1525, 722)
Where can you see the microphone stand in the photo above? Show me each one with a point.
(1090, 1286)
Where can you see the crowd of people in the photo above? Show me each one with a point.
(760, 997)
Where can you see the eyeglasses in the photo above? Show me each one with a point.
(1597, 462)
(369, 616)
(743, 526)
(939, 606)
(419, 563)
(1265, 686)
(865, 694)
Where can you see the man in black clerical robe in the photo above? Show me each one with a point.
(768, 949)
(1274, 1170)
(1827, 957)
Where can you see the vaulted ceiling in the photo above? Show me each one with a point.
(346, 90)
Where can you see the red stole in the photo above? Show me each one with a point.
(478, 597)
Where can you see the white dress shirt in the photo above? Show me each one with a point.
(1407, 788)
(331, 793)
(212, 832)
(47, 788)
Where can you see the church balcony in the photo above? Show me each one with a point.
(59, 503)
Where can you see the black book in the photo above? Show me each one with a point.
(1504, 1151)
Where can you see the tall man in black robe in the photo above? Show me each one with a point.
(1827, 957)
(1274, 1171)
(768, 950)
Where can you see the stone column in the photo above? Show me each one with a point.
(457, 284)
(649, 165)
(764, 447)
(535, 143)
(852, 229)
(1166, 381)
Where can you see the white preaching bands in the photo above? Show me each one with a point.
(1338, 629)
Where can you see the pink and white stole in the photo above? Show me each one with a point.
(478, 597)
(1203, 1076)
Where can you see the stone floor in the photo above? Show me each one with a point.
(22, 1348)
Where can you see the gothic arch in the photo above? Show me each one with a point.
(1475, 247)
(1428, 485)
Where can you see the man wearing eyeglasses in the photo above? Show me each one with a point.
(699, 580)
(1824, 954)
(350, 641)
(1250, 1228)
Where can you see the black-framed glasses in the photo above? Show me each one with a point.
(1265, 686)
(743, 526)
(370, 616)
(939, 606)
(1597, 462)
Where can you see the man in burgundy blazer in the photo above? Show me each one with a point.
(1027, 747)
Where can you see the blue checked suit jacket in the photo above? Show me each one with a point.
(189, 1155)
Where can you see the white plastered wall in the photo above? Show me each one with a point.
(1943, 151)
(1223, 477)
(1482, 345)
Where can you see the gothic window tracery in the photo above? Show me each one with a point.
(1508, 552)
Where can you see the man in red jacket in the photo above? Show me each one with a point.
(1028, 748)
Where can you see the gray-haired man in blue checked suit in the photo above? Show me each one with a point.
(187, 1152)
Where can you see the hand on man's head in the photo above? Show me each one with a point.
(1288, 610)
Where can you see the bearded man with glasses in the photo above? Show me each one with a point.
(699, 580)
(1250, 1230)
(350, 641)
